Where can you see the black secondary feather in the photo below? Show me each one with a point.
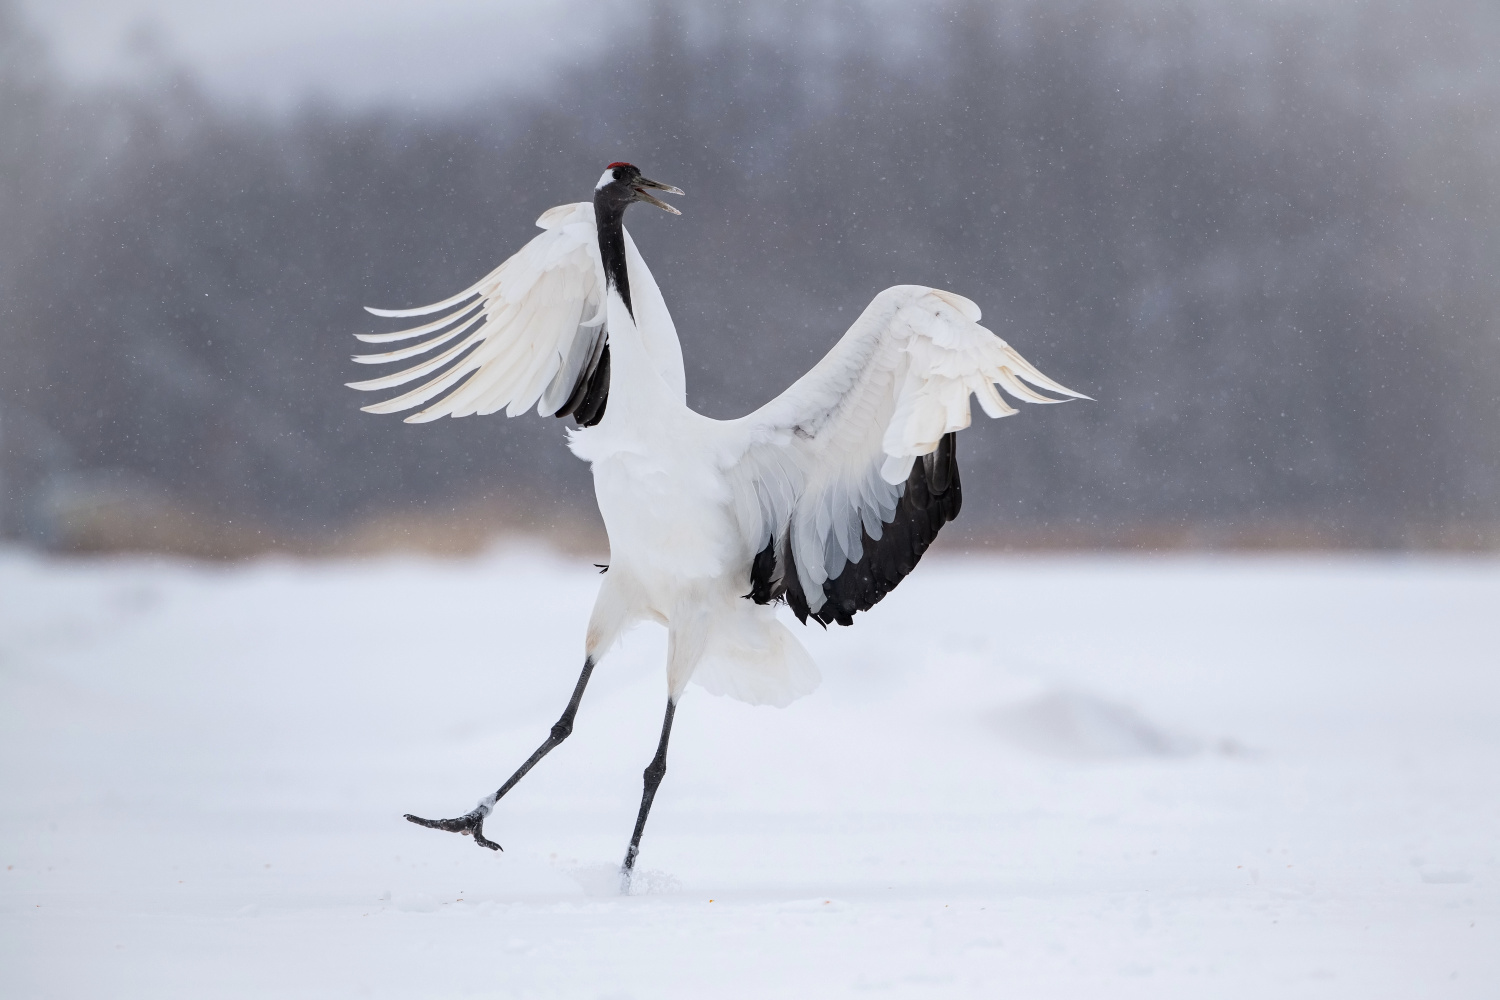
(932, 496)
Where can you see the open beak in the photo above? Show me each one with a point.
(640, 191)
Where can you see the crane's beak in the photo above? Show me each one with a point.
(640, 193)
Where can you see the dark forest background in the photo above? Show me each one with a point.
(1263, 236)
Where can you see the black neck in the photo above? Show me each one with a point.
(609, 219)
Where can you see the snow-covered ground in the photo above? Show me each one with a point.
(1022, 777)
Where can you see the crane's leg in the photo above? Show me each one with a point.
(652, 775)
(473, 822)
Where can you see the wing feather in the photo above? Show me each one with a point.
(418, 371)
(402, 353)
(843, 480)
(531, 333)
(416, 331)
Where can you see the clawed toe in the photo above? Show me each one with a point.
(471, 823)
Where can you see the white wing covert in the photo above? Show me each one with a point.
(845, 479)
(530, 333)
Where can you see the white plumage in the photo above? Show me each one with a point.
(811, 482)
(541, 319)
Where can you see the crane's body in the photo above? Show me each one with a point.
(824, 498)
(676, 556)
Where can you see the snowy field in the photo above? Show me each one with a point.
(1022, 777)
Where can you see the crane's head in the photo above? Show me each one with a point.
(622, 183)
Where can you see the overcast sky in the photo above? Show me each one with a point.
(358, 52)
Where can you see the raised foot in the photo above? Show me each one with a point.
(467, 824)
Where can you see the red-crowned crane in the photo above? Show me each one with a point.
(824, 498)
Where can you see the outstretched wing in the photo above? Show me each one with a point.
(530, 333)
(846, 478)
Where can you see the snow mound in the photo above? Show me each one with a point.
(1077, 726)
(416, 902)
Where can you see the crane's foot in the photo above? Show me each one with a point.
(471, 823)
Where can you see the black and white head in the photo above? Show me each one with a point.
(621, 185)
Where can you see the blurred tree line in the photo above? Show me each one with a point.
(1263, 239)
